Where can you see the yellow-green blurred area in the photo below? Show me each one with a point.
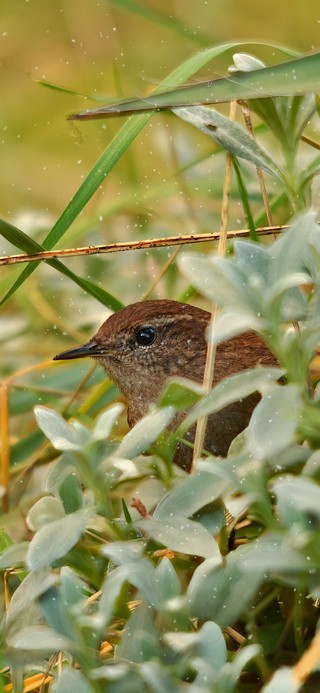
(168, 182)
(104, 50)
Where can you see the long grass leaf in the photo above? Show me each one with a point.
(289, 78)
(245, 200)
(24, 242)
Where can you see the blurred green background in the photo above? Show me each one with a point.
(106, 49)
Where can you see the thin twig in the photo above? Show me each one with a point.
(134, 245)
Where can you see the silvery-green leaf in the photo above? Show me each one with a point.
(23, 607)
(218, 279)
(312, 466)
(282, 680)
(289, 253)
(82, 434)
(181, 642)
(272, 554)
(127, 468)
(194, 492)
(168, 581)
(208, 643)
(274, 421)
(58, 473)
(56, 429)
(242, 658)
(253, 259)
(55, 540)
(294, 306)
(144, 433)
(71, 681)
(231, 323)
(13, 555)
(121, 552)
(111, 592)
(157, 678)
(298, 499)
(284, 298)
(139, 643)
(285, 283)
(141, 574)
(72, 588)
(212, 645)
(181, 534)
(244, 62)
(115, 673)
(40, 638)
(314, 242)
(222, 592)
(105, 422)
(45, 510)
(305, 113)
(181, 393)
(229, 135)
(231, 390)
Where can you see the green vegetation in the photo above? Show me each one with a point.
(119, 571)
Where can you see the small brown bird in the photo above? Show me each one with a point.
(146, 343)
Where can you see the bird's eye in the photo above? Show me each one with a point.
(146, 336)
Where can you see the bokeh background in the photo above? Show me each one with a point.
(104, 50)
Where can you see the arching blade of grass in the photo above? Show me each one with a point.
(63, 90)
(24, 242)
(112, 154)
(292, 77)
(71, 92)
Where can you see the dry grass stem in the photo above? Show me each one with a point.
(211, 351)
(247, 119)
(136, 245)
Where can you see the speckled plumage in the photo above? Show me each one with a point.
(179, 349)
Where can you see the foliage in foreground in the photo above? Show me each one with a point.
(140, 599)
(175, 593)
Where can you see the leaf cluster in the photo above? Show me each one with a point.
(87, 560)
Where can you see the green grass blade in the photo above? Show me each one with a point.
(266, 110)
(245, 201)
(289, 78)
(71, 92)
(28, 245)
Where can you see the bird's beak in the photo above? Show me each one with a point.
(88, 349)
